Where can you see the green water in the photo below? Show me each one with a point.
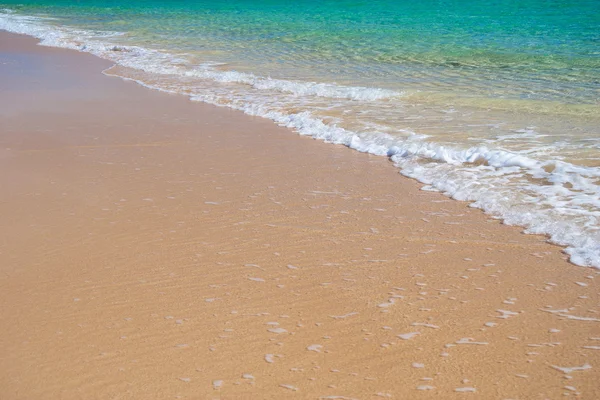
(519, 49)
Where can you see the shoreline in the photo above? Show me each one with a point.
(154, 247)
(529, 198)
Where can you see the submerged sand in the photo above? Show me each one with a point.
(155, 248)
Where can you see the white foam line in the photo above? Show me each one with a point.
(466, 389)
(563, 313)
(343, 316)
(87, 41)
(315, 347)
(583, 250)
(506, 314)
(426, 325)
(578, 318)
(277, 330)
(290, 387)
(408, 336)
(337, 398)
(270, 358)
(470, 341)
(568, 370)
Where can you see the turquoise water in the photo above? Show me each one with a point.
(493, 102)
(520, 49)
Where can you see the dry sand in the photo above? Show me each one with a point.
(156, 248)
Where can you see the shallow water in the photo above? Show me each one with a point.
(490, 102)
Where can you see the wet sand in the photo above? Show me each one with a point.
(155, 248)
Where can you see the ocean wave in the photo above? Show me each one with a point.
(551, 197)
(159, 62)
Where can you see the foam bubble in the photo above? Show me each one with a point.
(466, 390)
(424, 324)
(343, 316)
(270, 358)
(408, 336)
(315, 347)
(277, 330)
(568, 370)
(468, 340)
(217, 384)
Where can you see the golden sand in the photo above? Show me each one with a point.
(156, 248)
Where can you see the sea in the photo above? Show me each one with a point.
(493, 102)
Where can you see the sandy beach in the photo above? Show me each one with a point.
(152, 247)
